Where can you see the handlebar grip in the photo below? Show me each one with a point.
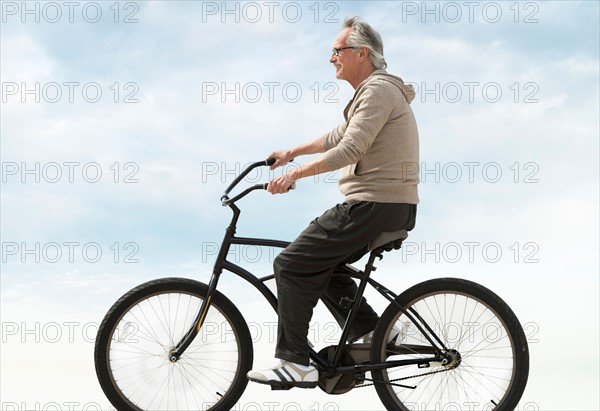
(291, 187)
(271, 161)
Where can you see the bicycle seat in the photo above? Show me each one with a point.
(388, 241)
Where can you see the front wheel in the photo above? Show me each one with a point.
(486, 362)
(139, 331)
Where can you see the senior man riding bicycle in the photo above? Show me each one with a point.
(377, 147)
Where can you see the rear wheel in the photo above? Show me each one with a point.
(139, 331)
(487, 357)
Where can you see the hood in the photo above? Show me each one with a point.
(407, 89)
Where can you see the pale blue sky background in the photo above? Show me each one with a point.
(180, 145)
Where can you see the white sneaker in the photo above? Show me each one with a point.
(397, 336)
(287, 375)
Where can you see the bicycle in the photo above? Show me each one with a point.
(177, 343)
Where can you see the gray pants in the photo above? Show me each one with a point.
(305, 270)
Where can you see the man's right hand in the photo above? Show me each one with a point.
(282, 157)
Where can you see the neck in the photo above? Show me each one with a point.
(365, 72)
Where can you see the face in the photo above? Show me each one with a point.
(346, 63)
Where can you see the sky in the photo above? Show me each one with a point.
(123, 122)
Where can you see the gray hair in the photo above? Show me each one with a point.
(363, 35)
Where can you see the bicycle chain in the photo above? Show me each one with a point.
(403, 378)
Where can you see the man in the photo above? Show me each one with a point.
(377, 147)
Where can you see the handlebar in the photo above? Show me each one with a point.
(225, 200)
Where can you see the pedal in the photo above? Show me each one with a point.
(284, 386)
(281, 387)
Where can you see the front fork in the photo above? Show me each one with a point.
(187, 339)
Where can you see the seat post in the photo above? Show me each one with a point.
(355, 304)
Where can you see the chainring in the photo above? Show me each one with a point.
(340, 383)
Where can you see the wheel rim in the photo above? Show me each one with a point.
(470, 328)
(140, 344)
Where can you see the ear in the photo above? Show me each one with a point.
(364, 52)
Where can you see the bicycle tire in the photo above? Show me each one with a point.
(132, 347)
(492, 369)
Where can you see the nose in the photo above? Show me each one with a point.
(333, 58)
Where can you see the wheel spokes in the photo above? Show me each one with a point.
(139, 363)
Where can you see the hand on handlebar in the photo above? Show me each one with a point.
(282, 157)
(281, 184)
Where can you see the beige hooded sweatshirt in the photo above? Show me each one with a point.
(378, 144)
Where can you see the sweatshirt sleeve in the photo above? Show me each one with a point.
(372, 110)
(331, 139)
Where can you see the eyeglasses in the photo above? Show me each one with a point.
(336, 50)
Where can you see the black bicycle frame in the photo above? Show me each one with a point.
(437, 346)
